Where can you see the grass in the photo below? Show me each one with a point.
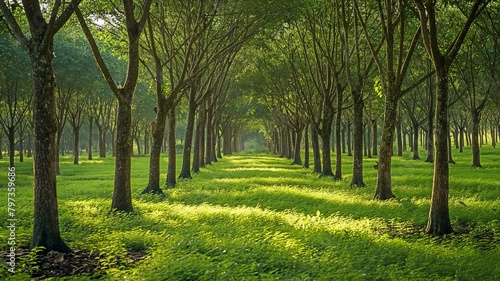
(256, 217)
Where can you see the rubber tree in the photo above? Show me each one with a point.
(38, 42)
(122, 195)
(439, 218)
(398, 50)
(477, 83)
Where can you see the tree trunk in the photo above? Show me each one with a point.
(296, 154)
(450, 155)
(461, 139)
(357, 165)
(122, 196)
(21, 144)
(430, 134)
(349, 141)
(102, 142)
(384, 179)
(203, 136)
(12, 151)
(399, 137)
(172, 156)
(58, 149)
(338, 140)
(439, 217)
(325, 149)
(316, 153)
(416, 127)
(76, 144)
(197, 146)
(210, 138)
(368, 140)
(188, 143)
(219, 152)
(45, 216)
(476, 155)
(89, 149)
(306, 147)
(374, 138)
(155, 155)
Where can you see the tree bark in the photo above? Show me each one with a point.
(384, 179)
(316, 152)
(476, 155)
(76, 144)
(172, 156)
(12, 151)
(416, 128)
(91, 119)
(188, 141)
(296, 152)
(399, 137)
(154, 158)
(439, 218)
(306, 147)
(357, 166)
(46, 218)
(122, 196)
(374, 138)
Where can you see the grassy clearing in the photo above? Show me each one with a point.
(256, 217)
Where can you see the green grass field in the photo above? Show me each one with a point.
(256, 217)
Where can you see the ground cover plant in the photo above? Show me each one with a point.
(256, 217)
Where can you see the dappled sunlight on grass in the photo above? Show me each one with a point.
(256, 217)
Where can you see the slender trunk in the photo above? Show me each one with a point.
(450, 155)
(430, 135)
(21, 144)
(416, 126)
(197, 146)
(219, 152)
(461, 142)
(210, 138)
(76, 144)
(30, 144)
(476, 155)
(338, 140)
(439, 217)
(203, 135)
(58, 148)
(122, 197)
(157, 134)
(45, 216)
(384, 179)
(349, 141)
(369, 141)
(306, 146)
(343, 139)
(102, 142)
(325, 135)
(172, 156)
(226, 146)
(188, 143)
(91, 119)
(315, 147)
(493, 136)
(399, 137)
(11, 136)
(113, 144)
(357, 165)
(296, 155)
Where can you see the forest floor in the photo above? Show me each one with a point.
(256, 217)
